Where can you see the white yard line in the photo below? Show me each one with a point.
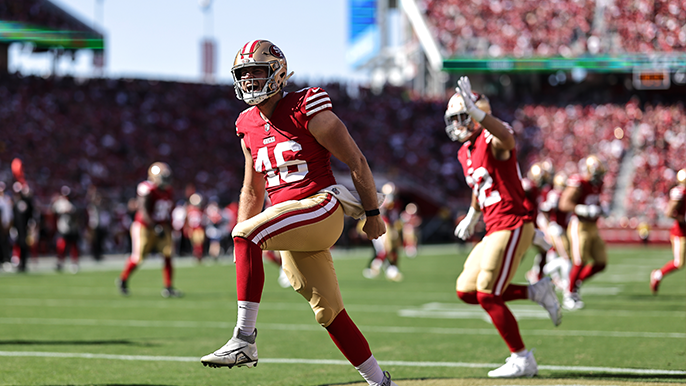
(158, 358)
(314, 327)
(428, 310)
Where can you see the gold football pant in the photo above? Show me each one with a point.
(303, 231)
(490, 266)
(144, 240)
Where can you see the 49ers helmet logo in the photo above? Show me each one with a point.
(274, 50)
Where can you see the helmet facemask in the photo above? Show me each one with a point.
(459, 127)
(248, 89)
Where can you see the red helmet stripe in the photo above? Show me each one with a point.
(249, 48)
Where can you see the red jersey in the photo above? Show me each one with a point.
(678, 193)
(531, 196)
(194, 217)
(293, 163)
(550, 201)
(159, 203)
(496, 184)
(590, 193)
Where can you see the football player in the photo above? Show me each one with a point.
(676, 208)
(216, 227)
(288, 139)
(387, 246)
(559, 263)
(410, 232)
(489, 161)
(24, 214)
(151, 227)
(67, 229)
(536, 185)
(581, 197)
(195, 226)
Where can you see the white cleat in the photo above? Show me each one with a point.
(240, 350)
(543, 293)
(387, 380)
(393, 273)
(516, 366)
(572, 301)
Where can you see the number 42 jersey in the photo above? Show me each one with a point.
(293, 163)
(496, 184)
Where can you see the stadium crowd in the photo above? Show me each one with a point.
(568, 28)
(104, 133)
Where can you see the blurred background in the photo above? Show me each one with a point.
(94, 91)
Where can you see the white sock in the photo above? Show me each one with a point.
(247, 316)
(658, 275)
(370, 371)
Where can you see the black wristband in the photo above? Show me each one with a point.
(370, 213)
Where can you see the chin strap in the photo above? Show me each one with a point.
(285, 81)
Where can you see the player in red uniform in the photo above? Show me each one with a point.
(216, 227)
(67, 229)
(536, 185)
(589, 255)
(489, 161)
(194, 228)
(151, 227)
(559, 263)
(288, 139)
(387, 246)
(411, 220)
(676, 208)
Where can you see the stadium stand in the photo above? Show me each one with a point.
(567, 28)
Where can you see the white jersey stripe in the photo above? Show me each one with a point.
(575, 242)
(507, 264)
(136, 242)
(319, 94)
(322, 107)
(291, 220)
(316, 102)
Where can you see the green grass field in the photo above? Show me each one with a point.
(64, 329)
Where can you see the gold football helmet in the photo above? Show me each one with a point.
(593, 168)
(560, 180)
(159, 174)
(540, 173)
(681, 177)
(457, 122)
(265, 54)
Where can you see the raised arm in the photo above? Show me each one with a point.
(504, 139)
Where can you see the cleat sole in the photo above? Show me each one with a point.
(216, 365)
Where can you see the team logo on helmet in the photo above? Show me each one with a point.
(274, 50)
